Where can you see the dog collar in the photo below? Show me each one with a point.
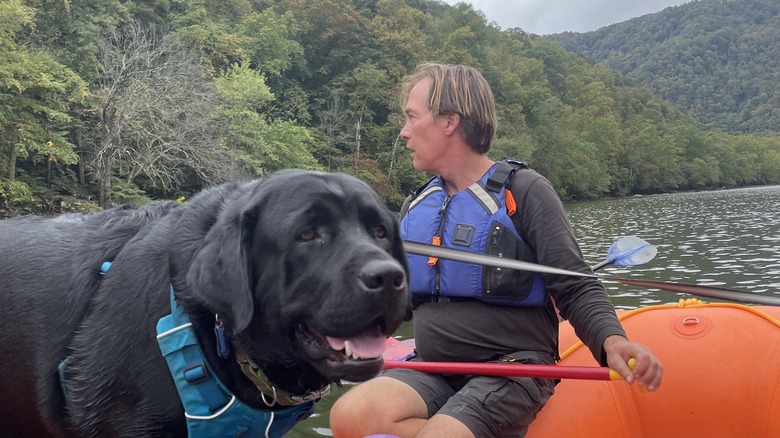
(266, 388)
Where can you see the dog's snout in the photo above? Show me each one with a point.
(383, 276)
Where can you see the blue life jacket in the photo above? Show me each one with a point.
(475, 219)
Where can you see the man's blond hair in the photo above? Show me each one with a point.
(462, 90)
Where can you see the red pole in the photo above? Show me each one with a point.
(507, 370)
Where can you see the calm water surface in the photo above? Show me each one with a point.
(728, 238)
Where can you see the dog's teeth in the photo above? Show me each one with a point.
(347, 349)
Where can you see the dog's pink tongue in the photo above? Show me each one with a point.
(366, 345)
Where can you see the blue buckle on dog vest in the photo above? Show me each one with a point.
(210, 408)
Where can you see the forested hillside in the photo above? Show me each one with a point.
(719, 60)
(109, 101)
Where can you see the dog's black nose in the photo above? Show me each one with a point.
(383, 276)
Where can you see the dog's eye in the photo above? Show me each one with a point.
(307, 235)
(380, 232)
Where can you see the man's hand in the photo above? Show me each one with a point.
(648, 372)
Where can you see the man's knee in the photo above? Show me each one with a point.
(345, 415)
(356, 412)
(375, 406)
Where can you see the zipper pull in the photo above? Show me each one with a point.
(444, 205)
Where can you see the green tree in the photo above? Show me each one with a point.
(269, 40)
(262, 145)
(400, 32)
(649, 161)
(35, 94)
(209, 28)
(703, 172)
(335, 38)
(368, 85)
(71, 30)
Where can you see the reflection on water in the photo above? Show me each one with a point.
(728, 238)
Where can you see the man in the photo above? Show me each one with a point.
(474, 313)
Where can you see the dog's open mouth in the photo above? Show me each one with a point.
(354, 358)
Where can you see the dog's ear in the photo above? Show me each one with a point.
(221, 272)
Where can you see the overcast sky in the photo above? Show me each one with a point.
(544, 17)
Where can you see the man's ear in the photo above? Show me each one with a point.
(453, 123)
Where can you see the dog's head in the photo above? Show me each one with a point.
(310, 274)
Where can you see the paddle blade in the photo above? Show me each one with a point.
(631, 251)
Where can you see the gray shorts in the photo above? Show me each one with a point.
(488, 406)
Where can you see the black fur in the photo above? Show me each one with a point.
(296, 250)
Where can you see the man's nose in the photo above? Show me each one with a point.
(405, 131)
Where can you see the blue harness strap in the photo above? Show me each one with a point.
(176, 336)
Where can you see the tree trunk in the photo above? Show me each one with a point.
(12, 133)
(75, 137)
(104, 177)
(392, 156)
(82, 177)
(12, 162)
(357, 138)
(105, 190)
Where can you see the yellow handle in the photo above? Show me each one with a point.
(614, 375)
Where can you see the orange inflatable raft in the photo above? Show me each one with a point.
(721, 378)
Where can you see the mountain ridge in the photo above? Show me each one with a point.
(718, 60)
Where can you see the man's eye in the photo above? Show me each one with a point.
(307, 235)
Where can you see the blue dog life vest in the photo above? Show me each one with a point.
(475, 219)
(210, 408)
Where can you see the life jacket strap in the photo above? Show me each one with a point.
(502, 177)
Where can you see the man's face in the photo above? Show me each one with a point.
(424, 133)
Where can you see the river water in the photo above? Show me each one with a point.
(725, 238)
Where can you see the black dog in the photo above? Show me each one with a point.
(304, 271)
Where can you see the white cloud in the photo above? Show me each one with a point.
(552, 16)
